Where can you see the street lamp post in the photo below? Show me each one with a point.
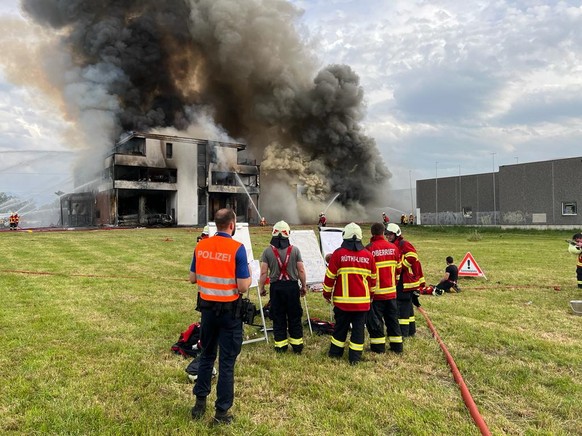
(460, 201)
(410, 182)
(494, 206)
(436, 191)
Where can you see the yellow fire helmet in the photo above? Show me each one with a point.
(281, 228)
(351, 230)
(205, 230)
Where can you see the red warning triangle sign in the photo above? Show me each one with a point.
(469, 268)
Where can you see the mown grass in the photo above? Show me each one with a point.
(84, 349)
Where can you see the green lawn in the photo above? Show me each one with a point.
(87, 319)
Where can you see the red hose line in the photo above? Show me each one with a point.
(479, 421)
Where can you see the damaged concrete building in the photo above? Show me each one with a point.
(152, 179)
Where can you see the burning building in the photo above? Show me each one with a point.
(240, 68)
(152, 179)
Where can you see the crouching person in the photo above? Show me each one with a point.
(349, 284)
(281, 264)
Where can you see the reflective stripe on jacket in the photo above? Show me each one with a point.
(216, 268)
(350, 279)
(387, 257)
(412, 275)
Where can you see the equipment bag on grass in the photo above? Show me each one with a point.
(322, 327)
(188, 344)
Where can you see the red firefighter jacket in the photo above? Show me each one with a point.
(412, 275)
(387, 258)
(350, 279)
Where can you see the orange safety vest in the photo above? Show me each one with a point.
(216, 268)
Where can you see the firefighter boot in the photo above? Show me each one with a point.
(199, 408)
(297, 349)
(396, 347)
(222, 417)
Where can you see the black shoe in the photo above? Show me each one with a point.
(282, 349)
(199, 408)
(298, 349)
(222, 417)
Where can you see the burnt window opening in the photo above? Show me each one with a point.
(223, 178)
(141, 174)
(169, 150)
(135, 146)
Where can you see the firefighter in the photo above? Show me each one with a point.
(203, 235)
(13, 221)
(282, 266)
(575, 247)
(263, 222)
(384, 308)
(385, 219)
(322, 221)
(350, 280)
(410, 282)
(220, 268)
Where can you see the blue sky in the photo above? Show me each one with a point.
(450, 87)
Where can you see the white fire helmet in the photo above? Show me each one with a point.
(281, 228)
(205, 230)
(351, 230)
(393, 228)
(573, 249)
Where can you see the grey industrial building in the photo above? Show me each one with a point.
(536, 194)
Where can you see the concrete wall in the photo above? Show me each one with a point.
(460, 200)
(531, 194)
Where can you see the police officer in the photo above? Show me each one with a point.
(350, 280)
(281, 262)
(220, 268)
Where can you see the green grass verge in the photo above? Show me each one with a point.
(87, 320)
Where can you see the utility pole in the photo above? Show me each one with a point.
(494, 206)
(436, 191)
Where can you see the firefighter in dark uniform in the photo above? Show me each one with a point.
(282, 264)
(410, 282)
(384, 309)
(220, 268)
(350, 280)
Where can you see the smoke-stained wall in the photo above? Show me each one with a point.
(149, 64)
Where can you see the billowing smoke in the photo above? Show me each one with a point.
(149, 64)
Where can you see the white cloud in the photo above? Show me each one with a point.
(455, 82)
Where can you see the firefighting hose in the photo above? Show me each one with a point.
(467, 398)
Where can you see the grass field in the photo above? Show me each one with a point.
(87, 319)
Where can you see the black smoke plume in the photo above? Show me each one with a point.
(163, 61)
